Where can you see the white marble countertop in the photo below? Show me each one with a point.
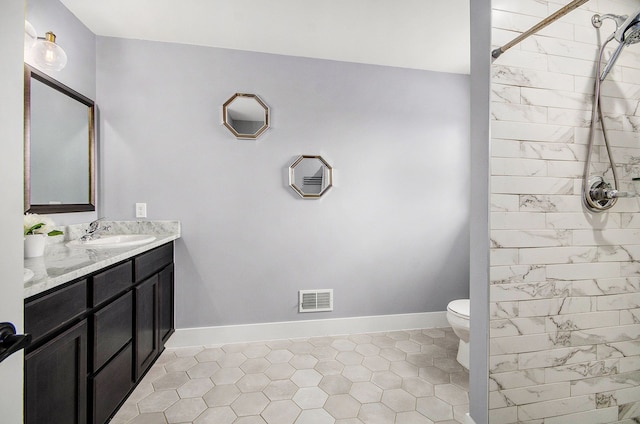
(61, 264)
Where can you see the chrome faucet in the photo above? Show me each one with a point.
(95, 230)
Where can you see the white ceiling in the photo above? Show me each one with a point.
(419, 34)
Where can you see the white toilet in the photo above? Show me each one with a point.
(458, 316)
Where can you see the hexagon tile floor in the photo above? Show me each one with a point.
(399, 377)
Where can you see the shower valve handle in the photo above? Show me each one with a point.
(612, 194)
(602, 193)
(615, 194)
(599, 194)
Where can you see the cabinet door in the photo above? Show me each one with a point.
(146, 328)
(166, 303)
(56, 379)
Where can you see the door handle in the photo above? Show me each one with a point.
(10, 342)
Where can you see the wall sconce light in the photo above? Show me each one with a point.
(43, 51)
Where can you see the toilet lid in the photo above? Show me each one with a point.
(460, 307)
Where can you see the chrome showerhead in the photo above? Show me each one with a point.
(627, 32)
(632, 35)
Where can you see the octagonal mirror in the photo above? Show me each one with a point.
(245, 115)
(310, 176)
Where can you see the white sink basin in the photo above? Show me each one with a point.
(113, 241)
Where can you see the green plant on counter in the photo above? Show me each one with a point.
(39, 224)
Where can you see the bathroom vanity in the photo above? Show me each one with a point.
(96, 334)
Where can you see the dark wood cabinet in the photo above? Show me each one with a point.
(56, 379)
(146, 324)
(49, 313)
(112, 329)
(111, 385)
(95, 338)
(153, 297)
(152, 261)
(111, 282)
(165, 303)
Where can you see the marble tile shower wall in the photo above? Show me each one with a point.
(565, 283)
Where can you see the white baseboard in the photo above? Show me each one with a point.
(468, 419)
(203, 336)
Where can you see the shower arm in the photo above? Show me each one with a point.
(548, 20)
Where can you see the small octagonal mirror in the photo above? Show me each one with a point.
(310, 176)
(245, 115)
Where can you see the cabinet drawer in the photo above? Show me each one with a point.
(111, 282)
(112, 329)
(46, 314)
(153, 261)
(111, 385)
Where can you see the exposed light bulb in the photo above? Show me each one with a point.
(47, 55)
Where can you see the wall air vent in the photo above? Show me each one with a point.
(316, 300)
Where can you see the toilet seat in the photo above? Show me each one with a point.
(460, 308)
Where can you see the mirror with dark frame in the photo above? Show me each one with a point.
(245, 115)
(59, 146)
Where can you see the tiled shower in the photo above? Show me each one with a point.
(564, 283)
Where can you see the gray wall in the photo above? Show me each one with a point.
(390, 237)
